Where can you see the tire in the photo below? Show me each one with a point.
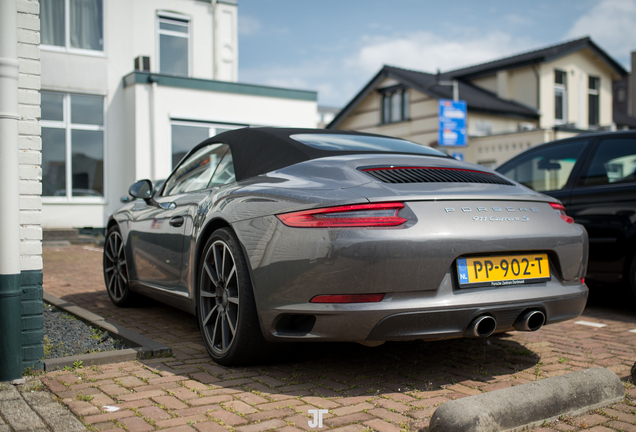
(115, 269)
(226, 309)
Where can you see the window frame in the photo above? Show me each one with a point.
(159, 32)
(67, 48)
(591, 93)
(68, 127)
(386, 101)
(201, 124)
(561, 88)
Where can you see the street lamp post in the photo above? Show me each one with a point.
(453, 83)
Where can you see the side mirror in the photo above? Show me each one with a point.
(141, 189)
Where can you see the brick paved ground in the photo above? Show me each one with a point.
(391, 387)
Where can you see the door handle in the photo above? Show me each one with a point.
(177, 221)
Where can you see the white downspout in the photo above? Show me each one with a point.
(9, 156)
(215, 50)
(153, 133)
(10, 292)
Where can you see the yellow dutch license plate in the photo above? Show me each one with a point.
(503, 270)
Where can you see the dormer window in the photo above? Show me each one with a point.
(174, 44)
(395, 104)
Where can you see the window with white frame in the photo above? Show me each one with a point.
(560, 96)
(72, 146)
(186, 135)
(483, 128)
(594, 84)
(72, 24)
(395, 105)
(173, 32)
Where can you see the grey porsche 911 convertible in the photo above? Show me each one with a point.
(268, 234)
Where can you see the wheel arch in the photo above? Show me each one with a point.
(111, 223)
(206, 232)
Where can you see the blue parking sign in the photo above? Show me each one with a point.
(452, 123)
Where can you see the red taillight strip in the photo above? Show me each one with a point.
(557, 206)
(420, 167)
(307, 219)
(561, 211)
(348, 298)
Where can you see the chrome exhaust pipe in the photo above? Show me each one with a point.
(482, 327)
(530, 321)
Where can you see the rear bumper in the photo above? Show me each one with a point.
(429, 316)
(447, 324)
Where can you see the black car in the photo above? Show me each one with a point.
(594, 175)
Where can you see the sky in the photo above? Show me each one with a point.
(335, 47)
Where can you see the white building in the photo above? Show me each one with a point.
(128, 87)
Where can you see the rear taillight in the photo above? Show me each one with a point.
(359, 215)
(348, 298)
(561, 212)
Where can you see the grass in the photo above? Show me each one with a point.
(84, 398)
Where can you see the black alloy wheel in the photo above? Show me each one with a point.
(116, 270)
(226, 309)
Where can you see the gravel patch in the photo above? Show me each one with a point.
(65, 335)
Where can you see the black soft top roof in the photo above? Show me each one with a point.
(258, 151)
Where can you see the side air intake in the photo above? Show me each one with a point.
(433, 175)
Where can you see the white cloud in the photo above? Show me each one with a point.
(426, 51)
(338, 77)
(248, 25)
(611, 24)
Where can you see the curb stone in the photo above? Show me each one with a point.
(143, 347)
(529, 405)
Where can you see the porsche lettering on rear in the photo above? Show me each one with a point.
(492, 209)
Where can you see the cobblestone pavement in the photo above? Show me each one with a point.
(391, 387)
(30, 407)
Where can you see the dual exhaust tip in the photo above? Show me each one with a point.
(485, 325)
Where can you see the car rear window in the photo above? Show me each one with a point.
(352, 143)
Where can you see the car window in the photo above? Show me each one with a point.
(196, 171)
(224, 174)
(545, 169)
(614, 161)
(337, 142)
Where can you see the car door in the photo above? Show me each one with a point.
(604, 201)
(198, 203)
(550, 169)
(158, 233)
